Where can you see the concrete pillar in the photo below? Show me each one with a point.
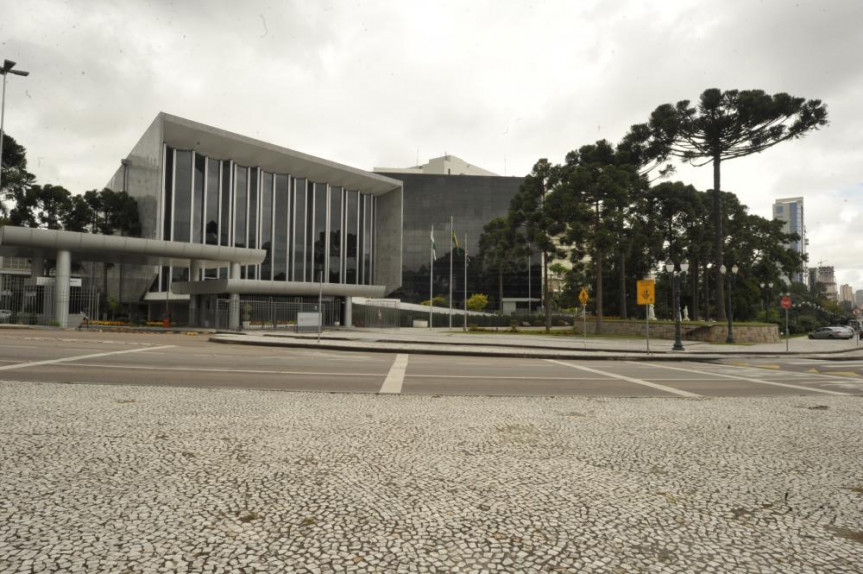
(348, 319)
(234, 304)
(194, 300)
(61, 288)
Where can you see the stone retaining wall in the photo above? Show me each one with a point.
(711, 333)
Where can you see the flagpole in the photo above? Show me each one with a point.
(431, 276)
(465, 281)
(450, 271)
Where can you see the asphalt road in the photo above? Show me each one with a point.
(192, 361)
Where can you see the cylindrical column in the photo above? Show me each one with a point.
(61, 288)
(234, 304)
(194, 275)
(349, 312)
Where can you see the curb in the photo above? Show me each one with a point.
(437, 348)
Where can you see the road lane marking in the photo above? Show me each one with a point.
(81, 357)
(757, 381)
(516, 378)
(396, 376)
(629, 379)
(230, 371)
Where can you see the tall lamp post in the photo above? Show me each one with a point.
(4, 71)
(730, 280)
(765, 301)
(670, 267)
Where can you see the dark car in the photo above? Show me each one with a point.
(832, 333)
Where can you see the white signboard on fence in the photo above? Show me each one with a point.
(306, 321)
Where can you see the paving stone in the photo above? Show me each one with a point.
(154, 479)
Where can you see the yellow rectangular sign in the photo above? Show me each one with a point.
(646, 292)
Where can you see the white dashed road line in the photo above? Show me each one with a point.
(80, 357)
(629, 379)
(748, 379)
(396, 376)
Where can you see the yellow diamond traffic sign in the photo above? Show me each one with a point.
(583, 297)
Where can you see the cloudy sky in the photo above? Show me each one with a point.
(499, 83)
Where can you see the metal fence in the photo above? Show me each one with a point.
(26, 301)
(382, 313)
(275, 313)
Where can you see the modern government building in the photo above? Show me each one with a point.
(227, 219)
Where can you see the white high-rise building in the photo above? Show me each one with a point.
(789, 210)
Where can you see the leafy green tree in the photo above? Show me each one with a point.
(724, 125)
(529, 211)
(498, 251)
(592, 201)
(16, 180)
(52, 205)
(79, 215)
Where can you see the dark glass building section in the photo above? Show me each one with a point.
(226, 202)
(198, 199)
(472, 201)
(169, 194)
(335, 238)
(267, 224)
(241, 216)
(352, 215)
(300, 231)
(182, 196)
(281, 219)
(319, 231)
(211, 211)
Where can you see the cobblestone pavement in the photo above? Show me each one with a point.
(132, 479)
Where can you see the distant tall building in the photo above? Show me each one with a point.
(858, 298)
(827, 277)
(846, 293)
(790, 211)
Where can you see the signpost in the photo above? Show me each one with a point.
(584, 298)
(786, 304)
(646, 296)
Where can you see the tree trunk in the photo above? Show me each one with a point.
(693, 289)
(546, 292)
(598, 272)
(623, 311)
(717, 240)
(500, 289)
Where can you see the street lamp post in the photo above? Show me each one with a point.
(4, 71)
(730, 280)
(675, 287)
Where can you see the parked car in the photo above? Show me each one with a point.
(5, 315)
(832, 333)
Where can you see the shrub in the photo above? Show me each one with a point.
(477, 302)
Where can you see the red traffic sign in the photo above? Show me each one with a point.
(786, 302)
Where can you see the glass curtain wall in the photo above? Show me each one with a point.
(308, 229)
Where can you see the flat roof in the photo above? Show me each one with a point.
(25, 241)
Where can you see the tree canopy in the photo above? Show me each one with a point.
(723, 125)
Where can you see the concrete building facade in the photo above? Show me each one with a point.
(324, 227)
